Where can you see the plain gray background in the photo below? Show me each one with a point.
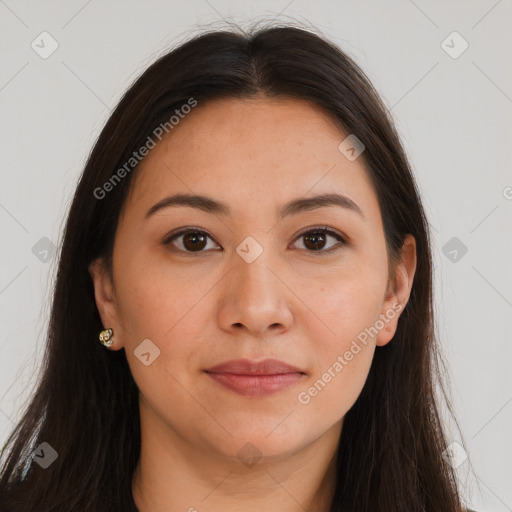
(452, 109)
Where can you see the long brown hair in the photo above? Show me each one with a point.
(85, 405)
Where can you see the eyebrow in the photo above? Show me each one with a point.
(293, 207)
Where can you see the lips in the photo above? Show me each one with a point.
(255, 378)
(248, 367)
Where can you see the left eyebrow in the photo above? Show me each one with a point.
(321, 201)
(293, 207)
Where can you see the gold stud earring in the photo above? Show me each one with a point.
(106, 337)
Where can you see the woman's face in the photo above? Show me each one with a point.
(244, 282)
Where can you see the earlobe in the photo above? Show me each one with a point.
(399, 291)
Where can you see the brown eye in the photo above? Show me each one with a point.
(194, 241)
(191, 241)
(315, 240)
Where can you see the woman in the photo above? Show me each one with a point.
(247, 228)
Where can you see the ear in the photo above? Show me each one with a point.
(399, 290)
(104, 294)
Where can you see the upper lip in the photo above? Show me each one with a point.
(249, 367)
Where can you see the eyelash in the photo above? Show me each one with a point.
(320, 229)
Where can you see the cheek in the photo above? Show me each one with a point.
(155, 295)
(166, 305)
(348, 306)
(344, 343)
(331, 392)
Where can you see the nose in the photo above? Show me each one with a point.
(255, 298)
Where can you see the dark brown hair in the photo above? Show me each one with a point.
(86, 401)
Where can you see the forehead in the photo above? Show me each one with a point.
(253, 151)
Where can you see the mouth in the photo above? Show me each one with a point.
(255, 378)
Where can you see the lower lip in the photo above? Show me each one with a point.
(256, 385)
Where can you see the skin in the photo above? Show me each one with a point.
(291, 303)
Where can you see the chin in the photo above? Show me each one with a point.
(255, 445)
